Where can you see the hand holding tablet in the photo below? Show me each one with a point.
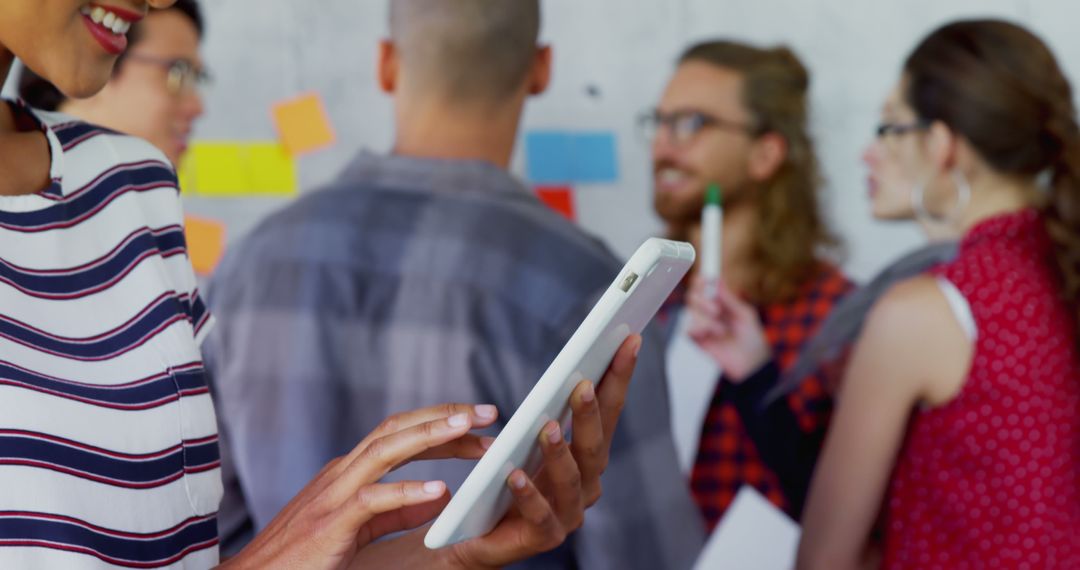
(624, 310)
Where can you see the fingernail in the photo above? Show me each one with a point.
(458, 420)
(637, 348)
(589, 394)
(486, 442)
(518, 480)
(486, 411)
(434, 488)
(553, 434)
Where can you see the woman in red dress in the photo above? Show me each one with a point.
(959, 415)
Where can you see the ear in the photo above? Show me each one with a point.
(941, 145)
(388, 66)
(540, 73)
(767, 153)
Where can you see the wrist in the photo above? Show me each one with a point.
(456, 557)
(752, 366)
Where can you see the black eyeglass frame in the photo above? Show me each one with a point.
(650, 123)
(897, 129)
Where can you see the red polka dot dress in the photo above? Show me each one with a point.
(992, 478)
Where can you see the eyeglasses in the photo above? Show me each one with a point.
(182, 74)
(897, 129)
(685, 125)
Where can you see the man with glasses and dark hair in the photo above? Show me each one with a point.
(153, 93)
(736, 116)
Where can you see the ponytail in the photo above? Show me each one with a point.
(1062, 208)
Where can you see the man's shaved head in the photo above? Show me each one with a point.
(465, 51)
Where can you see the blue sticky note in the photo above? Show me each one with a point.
(594, 158)
(548, 157)
(557, 157)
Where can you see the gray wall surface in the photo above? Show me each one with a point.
(612, 58)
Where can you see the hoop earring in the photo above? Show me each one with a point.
(963, 199)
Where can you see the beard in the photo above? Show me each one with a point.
(678, 209)
(681, 210)
(681, 206)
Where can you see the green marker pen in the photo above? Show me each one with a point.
(712, 219)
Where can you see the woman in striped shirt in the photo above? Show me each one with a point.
(108, 440)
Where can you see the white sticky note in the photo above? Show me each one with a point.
(753, 535)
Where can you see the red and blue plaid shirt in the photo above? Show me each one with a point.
(727, 458)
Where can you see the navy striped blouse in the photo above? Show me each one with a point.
(108, 441)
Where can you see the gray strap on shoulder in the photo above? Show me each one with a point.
(844, 323)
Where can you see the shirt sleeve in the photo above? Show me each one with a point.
(235, 525)
(786, 448)
(186, 283)
(202, 319)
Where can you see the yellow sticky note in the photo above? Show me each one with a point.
(185, 174)
(231, 168)
(219, 168)
(303, 125)
(206, 243)
(272, 170)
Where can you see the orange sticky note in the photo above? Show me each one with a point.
(303, 125)
(206, 243)
(560, 199)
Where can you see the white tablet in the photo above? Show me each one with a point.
(624, 309)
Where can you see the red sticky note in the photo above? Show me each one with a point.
(560, 199)
(303, 125)
(206, 243)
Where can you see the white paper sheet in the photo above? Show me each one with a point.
(753, 535)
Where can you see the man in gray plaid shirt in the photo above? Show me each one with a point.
(425, 276)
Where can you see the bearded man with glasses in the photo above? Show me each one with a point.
(736, 116)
